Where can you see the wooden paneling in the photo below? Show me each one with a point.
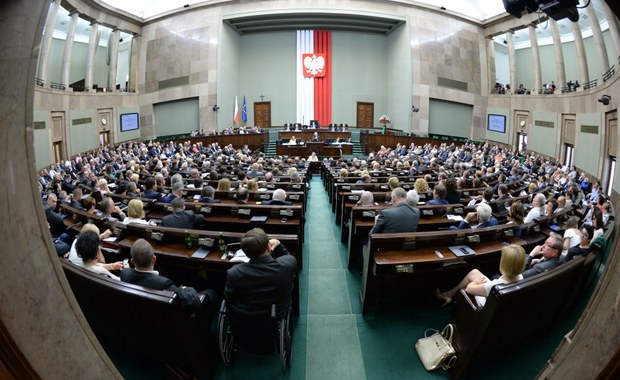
(365, 114)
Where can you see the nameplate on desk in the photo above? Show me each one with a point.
(205, 210)
(293, 197)
(205, 242)
(168, 208)
(471, 239)
(244, 211)
(383, 187)
(297, 187)
(157, 236)
(466, 193)
(509, 233)
(265, 196)
(404, 268)
(286, 212)
(271, 186)
(374, 180)
(368, 214)
(339, 179)
(346, 188)
(427, 212)
(354, 198)
(200, 253)
(405, 187)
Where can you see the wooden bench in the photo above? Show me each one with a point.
(151, 322)
(514, 312)
(394, 264)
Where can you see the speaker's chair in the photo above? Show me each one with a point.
(258, 332)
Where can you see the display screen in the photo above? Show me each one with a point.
(496, 123)
(130, 122)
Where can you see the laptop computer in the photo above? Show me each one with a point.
(462, 250)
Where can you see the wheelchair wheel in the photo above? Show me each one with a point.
(225, 339)
(286, 341)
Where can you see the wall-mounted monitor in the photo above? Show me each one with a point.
(496, 123)
(130, 121)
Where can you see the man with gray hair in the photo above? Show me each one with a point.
(277, 199)
(177, 192)
(483, 215)
(401, 217)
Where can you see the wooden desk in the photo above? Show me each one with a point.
(320, 149)
(396, 264)
(175, 262)
(308, 134)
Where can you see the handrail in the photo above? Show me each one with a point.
(610, 73)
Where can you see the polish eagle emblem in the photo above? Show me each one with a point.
(314, 65)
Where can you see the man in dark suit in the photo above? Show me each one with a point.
(551, 258)
(177, 193)
(181, 218)
(207, 195)
(277, 199)
(266, 279)
(399, 218)
(151, 189)
(143, 259)
(483, 215)
(242, 196)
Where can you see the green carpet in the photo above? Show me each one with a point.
(334, 341)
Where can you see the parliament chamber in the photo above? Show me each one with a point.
(89, 79)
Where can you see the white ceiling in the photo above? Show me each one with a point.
(480, 10)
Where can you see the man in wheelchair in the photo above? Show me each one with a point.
(255, 315)
(266, 279)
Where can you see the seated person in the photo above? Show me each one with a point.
(439, 198)
(266, 279)
(143, 274)
(207, 195)
(583, 248)
(399, 218)
(108, 208)
(180, 218)
(511, 264)
(135, 212)
(87, 247)
(537, 208)
(483, 215)
(551, 252)
(292, 141)
(177, 192)
(313, 157)
(315, 137)
(366, 200)
(77, 260)
(243, 195)
(278, 198)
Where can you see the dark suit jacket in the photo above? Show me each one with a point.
(182, 219)
(276, 203)
(541, 266)
(262, 281)
(209, 200)
(188, 296)
(490, 223)
(400, 218)
(168, 198)
(55, 220)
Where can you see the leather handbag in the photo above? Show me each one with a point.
(436, 351)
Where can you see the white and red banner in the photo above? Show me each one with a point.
(314, 98)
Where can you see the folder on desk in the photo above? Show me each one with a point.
(259, 219)
(462, 250)
(200, 253)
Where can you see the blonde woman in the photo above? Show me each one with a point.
(223, 184)
(252, 185)
(511, 265)
(572, 235)
(135, 212)
(421, 186)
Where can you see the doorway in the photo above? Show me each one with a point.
(365, 114)
(59, 143)
(262, 114)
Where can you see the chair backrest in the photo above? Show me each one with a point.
(148, 321)
(255, 331)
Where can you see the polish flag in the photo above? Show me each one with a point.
(236, 114)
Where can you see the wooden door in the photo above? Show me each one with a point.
(262, 114)
(365, 115)
(105, 126)
(59, 143)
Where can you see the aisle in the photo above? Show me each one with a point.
(333, 345)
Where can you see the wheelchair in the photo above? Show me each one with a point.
(258, 332)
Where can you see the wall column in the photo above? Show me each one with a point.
(581, 54)
(492, 79)
(46, 42)
(93, 42)
(66, 58)
(560, 71)
(535, 59)
(134, 63)
(614, 28)
(603, 59)
(113, 57)
(512, 62)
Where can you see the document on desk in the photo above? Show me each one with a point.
(462, 250)
(200, 253)
(240, 257)
(457, 218)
